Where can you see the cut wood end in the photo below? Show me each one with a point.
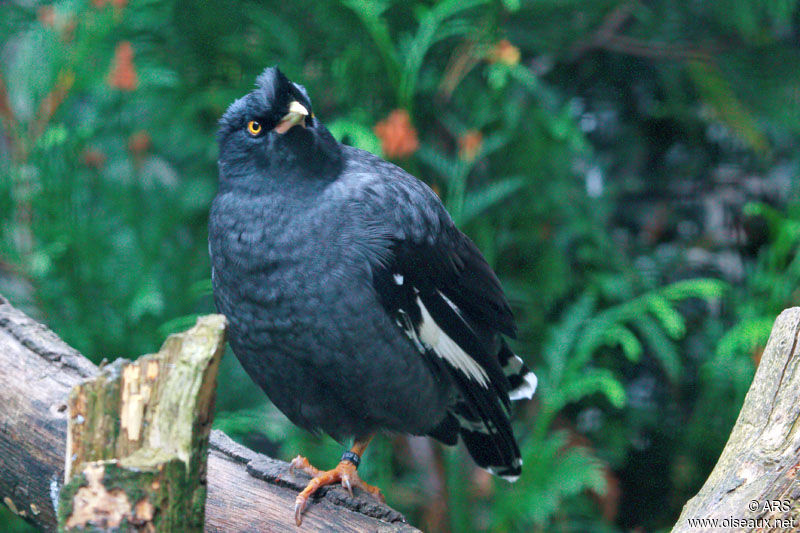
(189, 362)
(207, 336)
(161, 402)
(215, 324)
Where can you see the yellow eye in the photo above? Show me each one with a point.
(253, 128)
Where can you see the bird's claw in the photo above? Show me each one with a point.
(345, 473)
(301, 463)
(299, 506)
(346, 484)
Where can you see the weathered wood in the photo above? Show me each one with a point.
(246, 491)
(754, 485)
(266, 497)
(137, 438)
(37, 371)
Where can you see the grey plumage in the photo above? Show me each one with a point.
(353, 300)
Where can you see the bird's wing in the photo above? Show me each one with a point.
(443, 295)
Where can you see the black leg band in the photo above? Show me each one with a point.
(351, 457)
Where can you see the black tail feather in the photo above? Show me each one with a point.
(447, 431)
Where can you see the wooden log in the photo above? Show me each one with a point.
(137, 438)
(754, 485)
(37, 371)
(247, 491)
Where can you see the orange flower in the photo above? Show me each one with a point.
(469, 145)
(94, 158)
(46, 16)
(123, 72)
(139, 142)
(119, 4)
(398, 137)
(504, 52)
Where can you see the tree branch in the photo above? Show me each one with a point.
(755, 480)
(247, 491)
(607, 37)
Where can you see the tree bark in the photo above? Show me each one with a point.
(754, 485)
(247, 491)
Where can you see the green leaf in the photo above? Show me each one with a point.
(178, 324)
(624, 337)
(670, 319)
(431, 30)
(562, 338)
(357, 133)
(53, 137)
(478, 201)
(448, 168)
(554, 472)
(660, 346)
(705, 288)
(594, 380)
(370, 12)
(747, 335)
(148, 300)
(201, 288)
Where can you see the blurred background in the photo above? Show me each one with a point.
(629, 168)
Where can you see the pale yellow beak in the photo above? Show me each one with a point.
(297, 115)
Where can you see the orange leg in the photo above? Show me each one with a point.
(344, 473)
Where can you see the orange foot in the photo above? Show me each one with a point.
(344, 473)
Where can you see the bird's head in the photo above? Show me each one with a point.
(272, 134)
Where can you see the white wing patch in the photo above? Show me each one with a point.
(432, 335)
(526, 390)
(517, 463)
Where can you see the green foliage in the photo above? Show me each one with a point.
(773, 283)
(12, 524)
(540, 123)
(403, 61)
(554, 472)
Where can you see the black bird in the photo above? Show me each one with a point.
(353, 300)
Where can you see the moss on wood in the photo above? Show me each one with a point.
(137, 438)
